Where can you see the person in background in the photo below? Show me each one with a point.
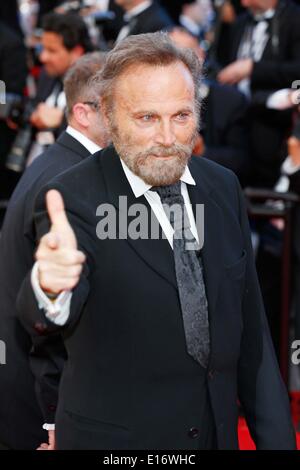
(265, 56)
(65, 39)
(142, 16)
(29, 381)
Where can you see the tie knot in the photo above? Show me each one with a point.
(169, 193)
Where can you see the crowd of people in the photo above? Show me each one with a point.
(58, 63)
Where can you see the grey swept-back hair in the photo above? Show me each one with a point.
(156, 49)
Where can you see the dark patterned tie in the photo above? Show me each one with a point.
(189, 274)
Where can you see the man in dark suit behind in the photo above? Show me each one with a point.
(65, 39)
(265, 56)
(142, 17)
(37, 367)
(164, 333)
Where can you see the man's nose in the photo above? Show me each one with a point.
(165, 135)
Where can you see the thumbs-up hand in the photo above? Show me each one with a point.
(60, 263)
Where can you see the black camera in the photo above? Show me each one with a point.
(12, 107)
(19, 111)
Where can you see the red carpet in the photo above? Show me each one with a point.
(245, 440)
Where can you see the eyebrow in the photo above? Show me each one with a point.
(152, 111)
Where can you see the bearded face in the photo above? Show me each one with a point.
(154, 136)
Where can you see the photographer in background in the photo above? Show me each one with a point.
(65, 38)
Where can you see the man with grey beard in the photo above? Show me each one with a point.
(163, 336)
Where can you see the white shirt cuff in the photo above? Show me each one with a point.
(280, 100)
(49, 427)
(57, 311)
(288, 167)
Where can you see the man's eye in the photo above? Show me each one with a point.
(182, 116)
(147, 117)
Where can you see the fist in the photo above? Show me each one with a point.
(46, 117)
(60, 263)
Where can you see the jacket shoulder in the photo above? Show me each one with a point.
(211, 171)
(218, 181)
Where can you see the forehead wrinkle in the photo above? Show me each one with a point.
(158, 89)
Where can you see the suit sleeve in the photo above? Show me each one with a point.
(31, 316)
(46, 360)
(260, 386)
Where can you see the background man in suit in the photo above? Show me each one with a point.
(142, 17)
(265, 56)
(65, 38)
(162, 337)
(38, 366)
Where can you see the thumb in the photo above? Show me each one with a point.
(59, 220)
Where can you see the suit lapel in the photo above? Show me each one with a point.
(157, 253)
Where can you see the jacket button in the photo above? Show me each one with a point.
(211, 373)
(51, 407)
(40, 327)
(193, 433)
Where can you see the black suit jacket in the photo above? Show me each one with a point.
(9, 14)
(22, 413)
(110, 29)
(278, 68)
(13, 72)
(225, 129)
(153, 19)
(129, 382)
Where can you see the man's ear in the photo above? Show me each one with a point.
(77, 52)
(79, 114)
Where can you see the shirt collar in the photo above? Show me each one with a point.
(85, 141)
(266, 15)
(137, 10)
(139, 187)
(190, 25)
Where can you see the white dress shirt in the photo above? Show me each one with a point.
(59, 310)
(254, 43)
(46, 137)
(85, 141)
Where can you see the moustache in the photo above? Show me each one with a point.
(181, 151)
